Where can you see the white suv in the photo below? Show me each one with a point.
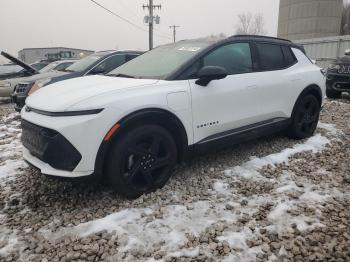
(133, 125)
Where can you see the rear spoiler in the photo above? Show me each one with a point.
(27, 67)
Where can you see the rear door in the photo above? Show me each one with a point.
(278, 79)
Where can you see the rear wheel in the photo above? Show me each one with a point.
(305, 117)
(141, 161)
(333, 94)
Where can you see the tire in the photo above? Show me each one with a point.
(305, 117)
(332, 94)
(141, 161)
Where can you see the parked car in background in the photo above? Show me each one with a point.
(9, 69)
(95, 64)
(23, 72)
(98, 63)
(338, 77)
(134, 124)
(23, 69)
(7, 86)
(20, 89)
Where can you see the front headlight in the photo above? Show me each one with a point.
(33, 89)
(43, 82)
(333, 67)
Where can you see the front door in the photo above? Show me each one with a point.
(229, 103)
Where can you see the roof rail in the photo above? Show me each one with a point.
(262, 37)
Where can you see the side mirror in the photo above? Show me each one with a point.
(210, 73)
(347, 52)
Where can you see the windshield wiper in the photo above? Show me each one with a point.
(122, 75)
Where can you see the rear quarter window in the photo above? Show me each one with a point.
(271, 57)
(288, 56)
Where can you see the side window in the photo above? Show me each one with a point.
(271, 57)
(235, 58)
(109, 64)
(288, 56)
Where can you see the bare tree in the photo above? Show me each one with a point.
(251, 24)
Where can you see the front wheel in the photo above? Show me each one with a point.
(141, 161)
(305, 117)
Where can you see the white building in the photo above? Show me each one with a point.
(31, 55)
(305, 19)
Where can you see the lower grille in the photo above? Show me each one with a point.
(341, 86)
(49, 146)
(21, 88)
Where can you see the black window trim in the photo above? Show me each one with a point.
(255, 43)
(199, 58)
(292, 53)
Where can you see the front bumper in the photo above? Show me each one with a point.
(83, 133)
(49, 146)
(46, 169)
(19, 101)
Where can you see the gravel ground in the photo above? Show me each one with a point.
(271, 199)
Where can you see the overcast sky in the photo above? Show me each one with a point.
(81, 24)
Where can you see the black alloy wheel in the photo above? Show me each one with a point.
(306, 117)
(142, 161)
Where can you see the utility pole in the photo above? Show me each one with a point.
(174, 30)
(150, 19)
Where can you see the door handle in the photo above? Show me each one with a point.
(252, 87)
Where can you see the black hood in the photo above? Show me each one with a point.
(15, 60)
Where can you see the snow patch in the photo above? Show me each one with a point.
(221, 188)
(135, 231)
(313, 196)
(10, 167)
(249, 169)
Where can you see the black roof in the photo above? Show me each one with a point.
(257, 38)
(269, 39)
(262, 37)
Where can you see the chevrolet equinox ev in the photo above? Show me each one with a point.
(131, 126)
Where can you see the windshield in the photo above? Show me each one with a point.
(49, 67)
(83, 64)
(38, 66)
(160, 62)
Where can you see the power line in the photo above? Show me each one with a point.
(124, 19)
(121, 2)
